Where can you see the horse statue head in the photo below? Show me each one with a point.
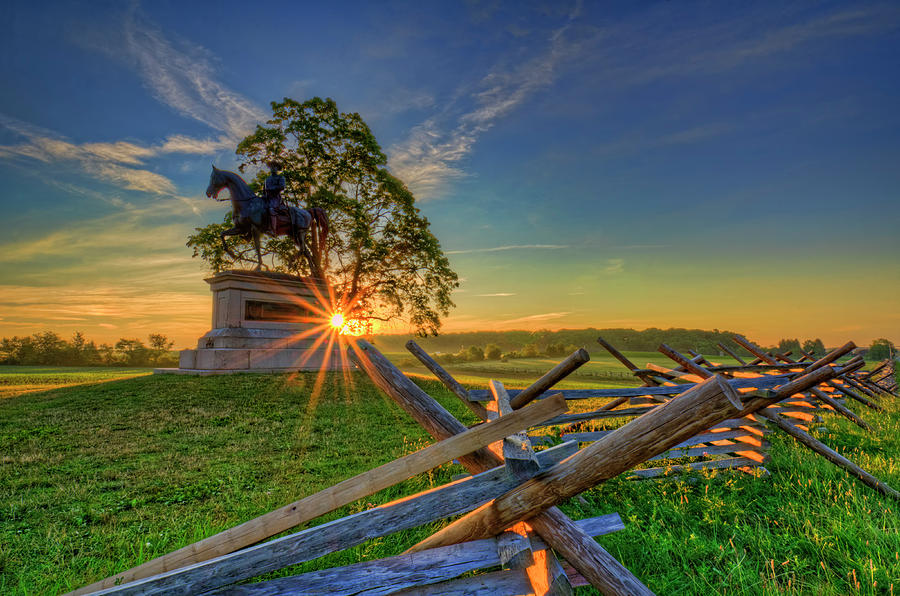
(219, 179)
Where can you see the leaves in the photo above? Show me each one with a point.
(381, 258)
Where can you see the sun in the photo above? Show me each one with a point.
(337, 320)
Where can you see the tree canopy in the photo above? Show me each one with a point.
(49, 349)
(881, 349)
(381, 259)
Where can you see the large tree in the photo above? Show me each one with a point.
(381, 259)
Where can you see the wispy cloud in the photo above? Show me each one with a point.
(508, 247)
(110, 162)
(110, 237)
(177, 74)
(638, 140)
(613, 266)
(547, 316)
(430, 157)
(715, 47)
(105, 272)
(640, 246)
(495, 295)
(434, 152)
(184, 79)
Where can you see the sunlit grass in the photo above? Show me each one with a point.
(16, 380)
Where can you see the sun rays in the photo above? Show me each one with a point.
(331, 334)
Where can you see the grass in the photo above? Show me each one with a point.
(16, 380)
(601, 371)
(100, 476)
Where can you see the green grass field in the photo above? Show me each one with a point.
(103, 474)
(16, 380)
(601, 371)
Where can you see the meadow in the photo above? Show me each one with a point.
(601, 371)
(98, 474)
(16, 380)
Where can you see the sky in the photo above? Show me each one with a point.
(611, 164)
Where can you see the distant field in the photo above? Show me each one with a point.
(600, 371)
(16, 380)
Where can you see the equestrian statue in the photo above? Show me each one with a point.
(253, 216)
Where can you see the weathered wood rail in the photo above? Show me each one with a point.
(389, 575)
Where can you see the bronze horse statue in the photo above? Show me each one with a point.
(251, 218)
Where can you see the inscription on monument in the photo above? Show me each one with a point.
(259, 310)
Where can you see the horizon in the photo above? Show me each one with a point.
(608, 166)
(192, 345)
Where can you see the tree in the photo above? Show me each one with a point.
(881, 349)
(133, 352)
(381, 259)
(107, 355)
(789, 345)
(555, 349)
(492, 352)
(814, 347)
(159, 347)
(530, 351)
(474, 354)
(49, 348)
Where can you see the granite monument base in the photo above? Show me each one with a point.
(264, 322)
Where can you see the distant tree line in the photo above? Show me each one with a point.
(49, 349)
(814, 347)
(495, 352)
(493, 345)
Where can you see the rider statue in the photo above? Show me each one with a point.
(274, 184)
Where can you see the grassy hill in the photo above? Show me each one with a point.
(98, 476)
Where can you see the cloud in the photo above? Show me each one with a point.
(508, 247)
(429, 158)
(498, 294)
(614, 266)
(724, 45)
(106, 274)
(629, 53)
(184, 79)
(848, 23)
(111, 236)
(638, 140)
(181, 78)
(547, 316)
(109, 162)
(640, 246)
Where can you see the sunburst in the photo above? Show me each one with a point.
(333, 331)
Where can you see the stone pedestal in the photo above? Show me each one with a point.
(263, 322)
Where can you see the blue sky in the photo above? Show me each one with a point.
(584, 164)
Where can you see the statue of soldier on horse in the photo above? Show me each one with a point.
(253, 216)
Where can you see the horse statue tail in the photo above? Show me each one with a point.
(319, 232)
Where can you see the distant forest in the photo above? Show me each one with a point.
(529, 343)
(49, 349)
